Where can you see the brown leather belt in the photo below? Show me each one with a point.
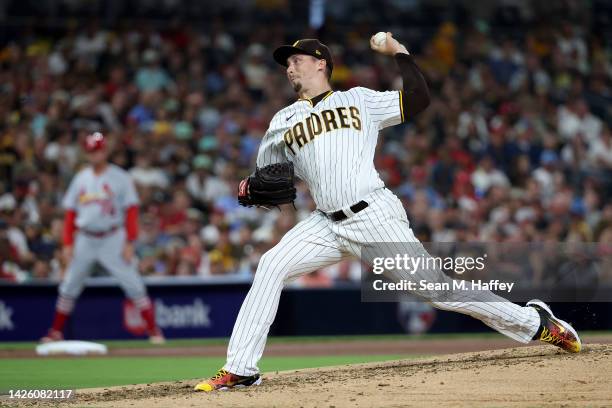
(341, 215)
(99, 234)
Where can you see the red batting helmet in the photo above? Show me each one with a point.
(95, 141)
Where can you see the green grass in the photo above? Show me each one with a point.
(293, 339)
(271, 340)
(72, 373)
(83, 372)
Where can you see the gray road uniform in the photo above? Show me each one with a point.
(100, 202)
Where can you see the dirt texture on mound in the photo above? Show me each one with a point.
(541, 376)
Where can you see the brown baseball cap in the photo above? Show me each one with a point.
(308, 46)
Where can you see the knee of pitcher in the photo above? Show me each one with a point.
(274, 265)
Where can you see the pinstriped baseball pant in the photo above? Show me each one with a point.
(317, 242)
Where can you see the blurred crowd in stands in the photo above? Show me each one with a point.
(515, 146)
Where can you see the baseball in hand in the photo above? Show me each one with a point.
(380, 38)
(385, 44)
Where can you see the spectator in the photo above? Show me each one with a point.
(202, 184)
(486, 176)
(146, 175)
(151, 77)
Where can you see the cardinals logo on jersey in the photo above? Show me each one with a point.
(104, 198)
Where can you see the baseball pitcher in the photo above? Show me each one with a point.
(101, 223)
(328, 138)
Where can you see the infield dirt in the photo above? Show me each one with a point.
(537, 376)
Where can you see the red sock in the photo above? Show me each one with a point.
(59, 321)
(148, 315)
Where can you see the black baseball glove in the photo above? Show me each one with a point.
(269, 186)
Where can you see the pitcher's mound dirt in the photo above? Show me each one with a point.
(539, 376)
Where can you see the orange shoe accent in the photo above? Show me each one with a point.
(224, 380)
(554, 330)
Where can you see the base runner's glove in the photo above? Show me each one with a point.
(269, 186)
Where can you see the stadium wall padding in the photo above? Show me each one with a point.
(208, 310)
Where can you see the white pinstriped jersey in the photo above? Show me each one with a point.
(332, 144)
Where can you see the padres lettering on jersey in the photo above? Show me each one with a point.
(306, 130)
(332, 143)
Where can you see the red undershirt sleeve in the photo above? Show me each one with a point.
(69, 227)
(131, 223)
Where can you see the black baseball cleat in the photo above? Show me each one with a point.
(555, 331)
